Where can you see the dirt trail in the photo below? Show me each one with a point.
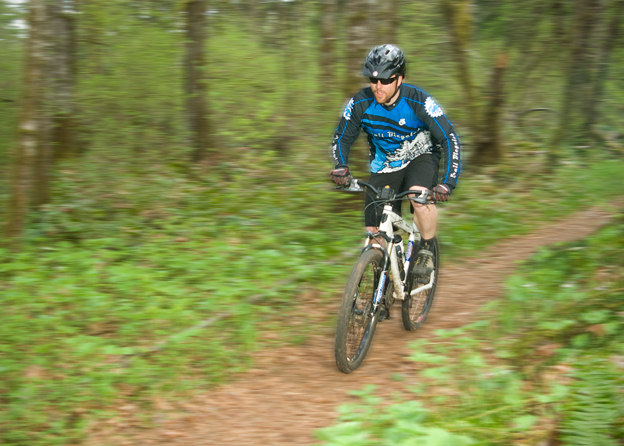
(292, 391)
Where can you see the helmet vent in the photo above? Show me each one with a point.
(385, 60)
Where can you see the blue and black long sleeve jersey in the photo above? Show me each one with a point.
(414, 124)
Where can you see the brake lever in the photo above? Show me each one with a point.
(354, 187)
(425, 197)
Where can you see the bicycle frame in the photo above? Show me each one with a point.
(366, 300)
(389, 220)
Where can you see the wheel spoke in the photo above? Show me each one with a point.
(356, 322)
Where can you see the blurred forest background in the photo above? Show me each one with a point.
(162, 160)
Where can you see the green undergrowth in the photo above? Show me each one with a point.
(517, 197)
(111, 272)
(542, 366)
(106, 301)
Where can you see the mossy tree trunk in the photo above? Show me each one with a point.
(488, 142)
(63, 79)
(387, 18)
(485, 130)
(329, 59)
(329, 23)
(360, 38)
(29, 182)
(592, 111)
(290, 21)
(361, 19)
(195, 78)
(459, 21)
(576, 90)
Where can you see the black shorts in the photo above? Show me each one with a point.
(421, 171)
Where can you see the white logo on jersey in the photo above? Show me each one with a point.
(348, 110)
(432, 108)
(408, 151)
(402, 121)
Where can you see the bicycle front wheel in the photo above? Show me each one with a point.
(415, 308)
(356, 321)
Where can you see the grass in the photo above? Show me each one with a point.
(115, 267)
(121, 263)
(507, 202)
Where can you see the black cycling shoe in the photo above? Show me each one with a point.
(423, 265)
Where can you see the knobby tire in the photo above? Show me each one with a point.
(415, 309)
(356, 323)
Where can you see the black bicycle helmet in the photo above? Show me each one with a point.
(383, 61)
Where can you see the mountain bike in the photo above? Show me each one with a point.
(383, 273)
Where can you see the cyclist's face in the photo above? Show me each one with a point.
(387, 94)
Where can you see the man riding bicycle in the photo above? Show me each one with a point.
(408, 135)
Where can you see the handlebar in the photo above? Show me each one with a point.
(386, 194)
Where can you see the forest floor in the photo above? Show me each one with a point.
(293, 390)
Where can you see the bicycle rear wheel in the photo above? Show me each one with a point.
(356, 321)
(415, 309)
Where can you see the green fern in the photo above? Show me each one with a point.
(595, 413)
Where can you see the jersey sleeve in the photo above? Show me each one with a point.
(428, 111)
(348, 130)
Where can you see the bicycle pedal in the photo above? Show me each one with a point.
(423, 278)
(384, 314)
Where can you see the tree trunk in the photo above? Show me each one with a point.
(63, 80)
(388, 12)
(485, 139)
(558, 32)
(488, 146)
(288, 18)
(29, 163)
(328, 41)
(460, 28)
(486, 122)
(359, 41)
(592, 113)
(195, 86)
(329, 54)
(575, 92)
